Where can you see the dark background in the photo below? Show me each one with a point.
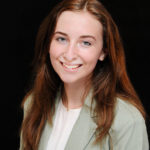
(20, 22)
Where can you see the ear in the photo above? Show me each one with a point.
(102, 55)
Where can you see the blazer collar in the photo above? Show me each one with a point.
(48, 128)
(82, 132)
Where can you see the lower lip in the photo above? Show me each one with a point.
(70, 69)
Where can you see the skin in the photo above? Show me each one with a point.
(74, 51)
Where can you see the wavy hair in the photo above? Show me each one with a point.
(109, 80)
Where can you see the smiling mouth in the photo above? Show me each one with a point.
(71, 66)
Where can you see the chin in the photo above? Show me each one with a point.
(73, 80)
(69, 81)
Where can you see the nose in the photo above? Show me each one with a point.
(70, 53)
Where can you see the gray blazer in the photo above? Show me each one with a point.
(128, 131)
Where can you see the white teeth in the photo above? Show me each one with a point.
(71, 67)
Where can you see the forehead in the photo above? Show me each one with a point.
(79, 22)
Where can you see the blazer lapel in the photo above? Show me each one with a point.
(45, 136)
(84, 128)
(48, 129)
(82, 132)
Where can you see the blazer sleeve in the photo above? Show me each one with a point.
(129, 129)
(132, 137)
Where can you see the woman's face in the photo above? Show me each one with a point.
(76, 46)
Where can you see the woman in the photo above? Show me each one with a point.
(81, 97)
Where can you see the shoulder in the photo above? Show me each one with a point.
(126, 114)
(128, 130)
(27, 103)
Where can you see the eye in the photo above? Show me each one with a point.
(61, 39)
(86, 43)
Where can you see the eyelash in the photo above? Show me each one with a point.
(61, 39)
(86, 43)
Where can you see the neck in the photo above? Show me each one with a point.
(74, 95)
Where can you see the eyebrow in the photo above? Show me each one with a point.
(88, 36)
(58, 32)
(82, 36)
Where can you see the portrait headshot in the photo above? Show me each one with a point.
(82, 91)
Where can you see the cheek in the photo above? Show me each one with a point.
(55, 50)
(91, 57)
(53, 55)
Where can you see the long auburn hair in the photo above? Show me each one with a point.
(110, 79)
